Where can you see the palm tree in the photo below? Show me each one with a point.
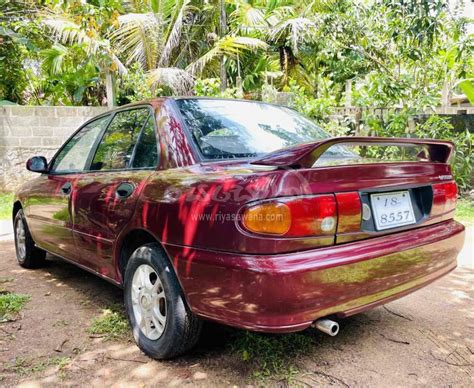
(153, 35)
(287, 26)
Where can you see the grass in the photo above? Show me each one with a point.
(11, 304)
(6, 203)
(6, 279)
(24, 366)
(465, 210)
(272, 356)
(112, 323)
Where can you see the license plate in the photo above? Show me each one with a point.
(392, 210)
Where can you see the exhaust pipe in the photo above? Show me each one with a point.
(327, 326)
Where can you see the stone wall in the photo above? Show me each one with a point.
(26, 131)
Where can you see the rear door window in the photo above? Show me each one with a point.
(146, 151)
(115, 150)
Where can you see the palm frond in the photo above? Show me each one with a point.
(68, 32)
(277, 14)
(248, 18)
(174, 34)
(54, 58)
(138, 38)
(229, 46)
(296, 30)
(136, 6)
(120, 66)
(179, 81)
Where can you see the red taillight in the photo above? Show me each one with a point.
(349, 211)
(303, 216)
(444, 197)
(312, 216)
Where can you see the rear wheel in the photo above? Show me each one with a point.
(162, 324)
(27, 253)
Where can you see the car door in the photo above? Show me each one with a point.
(106, 195)
(48, 206)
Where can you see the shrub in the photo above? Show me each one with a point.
(435, 127)
(134, 87)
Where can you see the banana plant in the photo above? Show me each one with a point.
(467, 87)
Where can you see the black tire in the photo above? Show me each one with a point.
(32, 257)
(182, 328)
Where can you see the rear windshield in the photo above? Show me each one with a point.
(224, 129)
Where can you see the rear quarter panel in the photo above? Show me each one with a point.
(196, 206)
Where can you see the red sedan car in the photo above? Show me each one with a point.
(239, 212)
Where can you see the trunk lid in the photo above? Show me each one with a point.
(373, 198)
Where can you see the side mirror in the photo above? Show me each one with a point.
(37, 164)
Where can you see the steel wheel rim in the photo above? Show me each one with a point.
(20, 239)
(148, 302)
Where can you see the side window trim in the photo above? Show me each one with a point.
(155, 131)
(58, 152)
(96, 144)
(187, 131)
(101, 136)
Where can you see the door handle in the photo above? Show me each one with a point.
(124, 190)
(66, 188)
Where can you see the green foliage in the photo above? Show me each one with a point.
(6, 206)
(11, 304)
(465, 210)
(134, 87)
(437, 127)
(70, 76)
(399, 55)
(467, 86)
(317, 108)
(272, 356)
(342, 127)
(19, 42)
(12, 77)
(396, 124)
(209, 87)
(112, 323)
(26, 366)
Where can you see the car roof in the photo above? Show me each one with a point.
(158, 101)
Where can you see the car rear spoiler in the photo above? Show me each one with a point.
(305, 155)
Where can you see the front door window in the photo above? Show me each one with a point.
(73, 156)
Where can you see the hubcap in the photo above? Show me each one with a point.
(149, 302)
(20, 239)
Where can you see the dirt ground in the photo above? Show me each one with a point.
(426, 338)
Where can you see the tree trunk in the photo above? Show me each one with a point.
(222, 33)
(110, 89)
(287, 62)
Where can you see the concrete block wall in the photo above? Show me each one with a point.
(26, 131)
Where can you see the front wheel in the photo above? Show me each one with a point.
(27, 253)
(162, 324)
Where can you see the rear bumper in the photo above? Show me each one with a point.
(284, 293)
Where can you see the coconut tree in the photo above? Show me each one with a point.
(174, 40)
(287, 26)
